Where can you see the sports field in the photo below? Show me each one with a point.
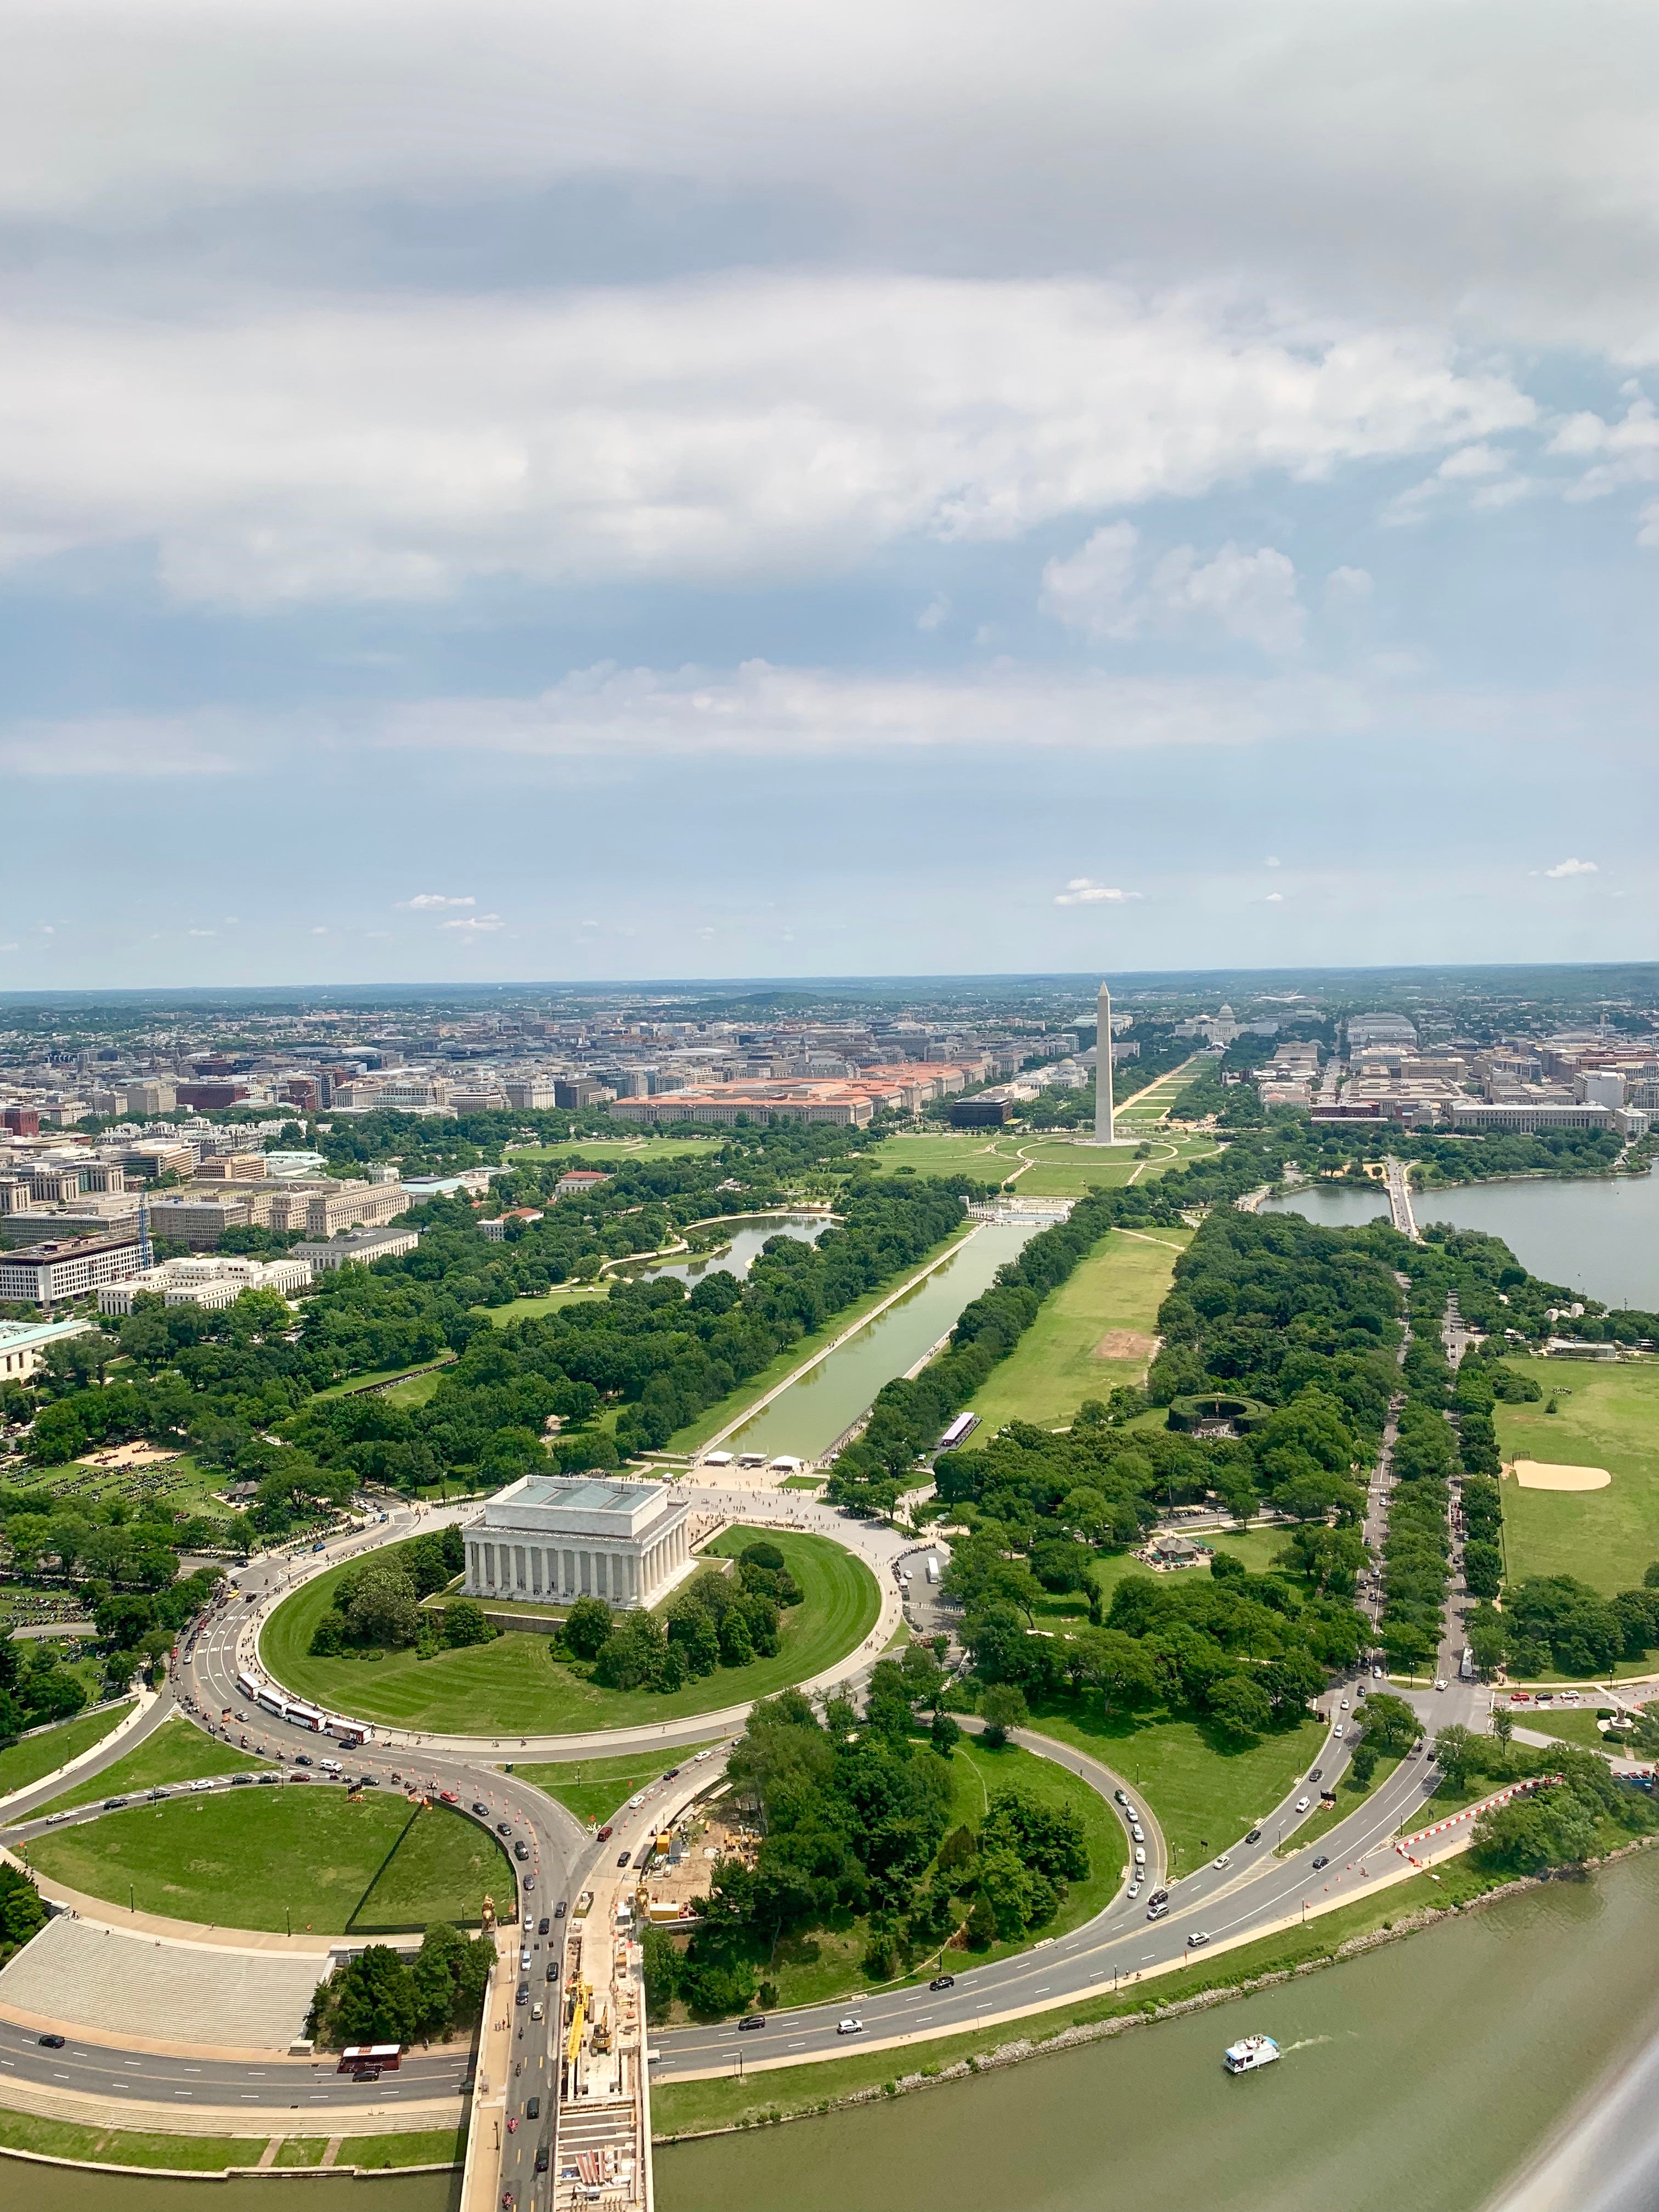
(515, 1686)
(1606, 1417)
(175, 1752)
(251, 1857)
(1095, 1332)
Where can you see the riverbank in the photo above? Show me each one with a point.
(28, 2139)
(693, 2111)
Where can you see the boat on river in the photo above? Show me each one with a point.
(1250, 2053)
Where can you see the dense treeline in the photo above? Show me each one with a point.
(378, 1997)
(856, 1821)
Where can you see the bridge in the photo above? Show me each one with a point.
(1399, 1200)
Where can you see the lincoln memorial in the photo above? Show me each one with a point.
(565, 1536)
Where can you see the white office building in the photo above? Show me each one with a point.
(560, 1537)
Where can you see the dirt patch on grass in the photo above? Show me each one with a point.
(1126, 1343)
(1542, 1475)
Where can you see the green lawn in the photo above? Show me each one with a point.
(441, 1859)
(415, 1391)
(111, 2146)
(1205, 1790)
(1093, 1332)
(35, 1755)
(730, 1408)
(533, 1308)
(430, 2147)
(177, 1752)
(240, 1859)
(300, 2151)
(513, 1686)
(593, 1789)
(1568, 1725)
(379, 1374)
(987, 1155)
(1256, 1547)
(606, 1152)
(1606, 1538)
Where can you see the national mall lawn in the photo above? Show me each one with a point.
(515, 1687)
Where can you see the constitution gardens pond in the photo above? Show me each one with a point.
(515, 1686)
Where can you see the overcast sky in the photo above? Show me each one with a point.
(532, 491)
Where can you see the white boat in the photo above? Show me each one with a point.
(1249, 2052)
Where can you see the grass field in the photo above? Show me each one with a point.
(1075, 1349)
(35, 1755)
(593, 1789)
(1205, 1790)
(247, 1858)
(514, 1688)
(1256, 1547)
(1568, 1726)
(207, 2154)
(1606, 1538)
(533, 1308)
(382, 1375)
(987, 1155)
(731, 1407)
(176, 1752)
(605, 1151)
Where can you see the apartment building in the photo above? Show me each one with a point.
(49, 1274)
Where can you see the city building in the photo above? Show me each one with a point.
(535, 1094)
(24, 1345)
(210, 1097)
(364, 1245)
(149, 1097)
(562, 1537)
(207, 1281)
(576, 1181)
(48, 1273)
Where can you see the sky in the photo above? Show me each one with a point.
(541, 492)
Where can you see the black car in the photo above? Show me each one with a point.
(1121, 1796)
(521, 1850)
(365, 2073)
(114, 1804)
(542, 1925)
(1321, 1862)
(752, 2020)
(541, 2160)
(943, 1982)
(522, 1995)
(51, 2042)
(532, 2111)
(530, 1882)
(552, 1970)
(368, 1781)
(503, 1827)
(1255, 1836)
(558, 1910)
(671, 1772)
(270, 1777)
(240, 1781)
(300, 1758)
(482, 1811)
(1317, 1774)
(624, 1858)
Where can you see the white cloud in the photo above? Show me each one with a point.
(936, 613)
(203, 932)
(1090, 592)
(1081, 891)
(1347, 586)
(1572, 868)
(1250, 597)
(757, 426)
(427, 901)
(1491, 472)
(1274, 898)
(476, 923)
(1273, 860)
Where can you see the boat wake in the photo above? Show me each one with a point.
(1307, 2043)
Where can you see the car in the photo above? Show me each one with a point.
(1160, 1896)
(300, 1758)
(1338, 1729)
(943, 1982)
(364, 1781)
(1225, 1860)
(1133, 1889)
(503, 1827)
(1157, 1908)
(264, 1777)
(542, 1925)
(701, 1755)
(330, 1766)
(1303, 1803)
(752, 2020)
(606, 1832)
(537, 2010)
(521, 1851)
(1136, 1831)
(1255, 1836)
(558, 1910)
(114, 1804)
(1344, 1703)
(521, 1995)
(50, 2042)
(481, 1811)
(635, 1803)
(624, 1858)
(365, 2073)
(1377, 1673)
(530, 1882)
(1439, 1685)
(1322, 1861)
(445, 1796)
(241, 1781)
(532, 2110)
(1121, 1796)
(299, 1778)
(524, 1959)
(671, 1772)
(542, 2159)
(851, 2025)
(552, 1970)
(1197, 1939)
(154, 1796)
(1315, 1773)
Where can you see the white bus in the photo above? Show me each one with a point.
(959, 1430)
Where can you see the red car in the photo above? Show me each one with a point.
(604, 1833)
(447, 1797)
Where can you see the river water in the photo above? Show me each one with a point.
(809, 1417)
(1599, 1235)
(63, 2189)
(1422, 2074)
(747, 1239)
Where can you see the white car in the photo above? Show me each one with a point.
(1337, 1730)
(1225, 1860)
(330, 1766)
(851, 2025)
(1135, 1889)
(1303, 1803)
(1344, 1703)
(1137, 1832)
(635, 1803)
(202, 1785)
(1439, 1686)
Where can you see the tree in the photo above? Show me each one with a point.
(1502, 1725)
(945, 1734)
(1002, 1708)
(1240, 1706)
(1363, 1764)
(587, 1626)
(1457, 1750)
(737, 1645)
(1550, 1829)
(981, 1930)
(465, 1622)
(371, 1999)
(1390, 1724)
(383, 1608)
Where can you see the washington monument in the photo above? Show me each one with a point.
(1105, 1132)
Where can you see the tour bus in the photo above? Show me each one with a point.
(959, 1430)
(382, 2057)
